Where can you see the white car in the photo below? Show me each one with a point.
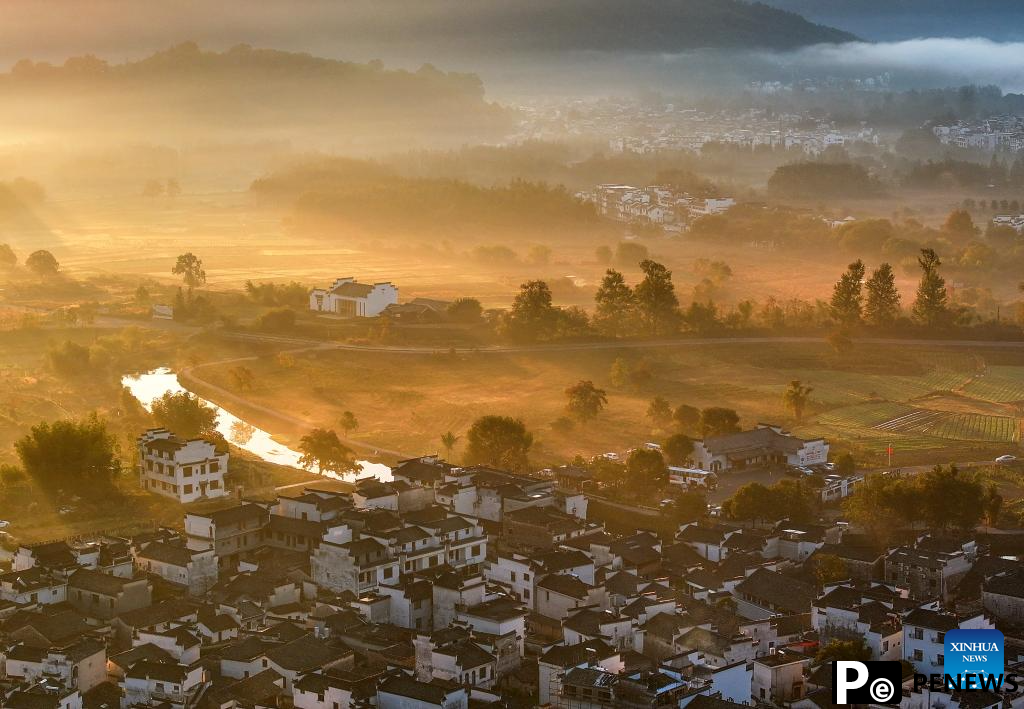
(1005, 459)
(4, 524)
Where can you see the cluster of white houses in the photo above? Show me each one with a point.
(467, 586)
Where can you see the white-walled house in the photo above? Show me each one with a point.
(760, 447)
(348, 298)
(183, 470)
(924, 636)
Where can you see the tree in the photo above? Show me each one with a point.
(873, 506)
(659, 412)
(70, 456)
(949, 498)
(718, 421)
(993, 505)
(646, 468)
(532, 316)
(845, 465)
(42, 263)
(931, 308)
(829, 568)
(185, 415)
(323, 448)
(796, 397)
(243, 378)
(585, 400)
(603, 254)
(348, 422)
(70, 359)
(539, 255)
(677, 448)
(448, 440)
(883, 301)
(190, 268)
(498, 441)
(615, 313)
(960, 224)
(847, 296)
(687, 418)
(750, 502)
(836, 650)
(8, 259)
(689, 506)
(173, 188)
(465, 310)
(656, 301)
(277, 320)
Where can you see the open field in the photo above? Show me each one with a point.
(862, 401)
(138, 239)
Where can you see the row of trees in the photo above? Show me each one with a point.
(876, 301)
(942, 498)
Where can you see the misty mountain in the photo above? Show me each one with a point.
(887, 20)
(185, 93)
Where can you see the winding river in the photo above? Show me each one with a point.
(240, 433)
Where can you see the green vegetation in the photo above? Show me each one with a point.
(498, 441)
(322, 448)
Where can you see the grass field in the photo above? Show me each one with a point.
(862, 401)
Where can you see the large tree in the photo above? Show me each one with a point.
(185, 415)
(646, 468)
(70, 456)
(498, 441)
(847, 295)
(718, 421)
(42, 263)
(677, 448)
(532, 316)
(931, 306)
(322, 448)
(883, 302)
(448, 440)
(796, 397)
(687, 418)
(585, 400)
(656, 299)
(190, 268)
(659, 411)
(615, 312)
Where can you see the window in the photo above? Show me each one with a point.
(512, 577)
(188, 489)
(918, 655)
(389, 572)
(188, 471)
(214, 466)
(214, 484)
(940, 659)
(526, 577)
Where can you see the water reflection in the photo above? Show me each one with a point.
(242, 434)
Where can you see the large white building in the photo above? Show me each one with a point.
(351, 299)
(184, 470)
(764, 446)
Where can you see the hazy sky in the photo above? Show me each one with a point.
(407, 33)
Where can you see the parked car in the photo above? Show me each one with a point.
(1006, 459)
(804, 470)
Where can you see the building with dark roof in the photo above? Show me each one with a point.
(762, 447)
(350, 299)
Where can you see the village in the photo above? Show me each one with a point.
(446, 586)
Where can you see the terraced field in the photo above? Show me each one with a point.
(998, 383)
